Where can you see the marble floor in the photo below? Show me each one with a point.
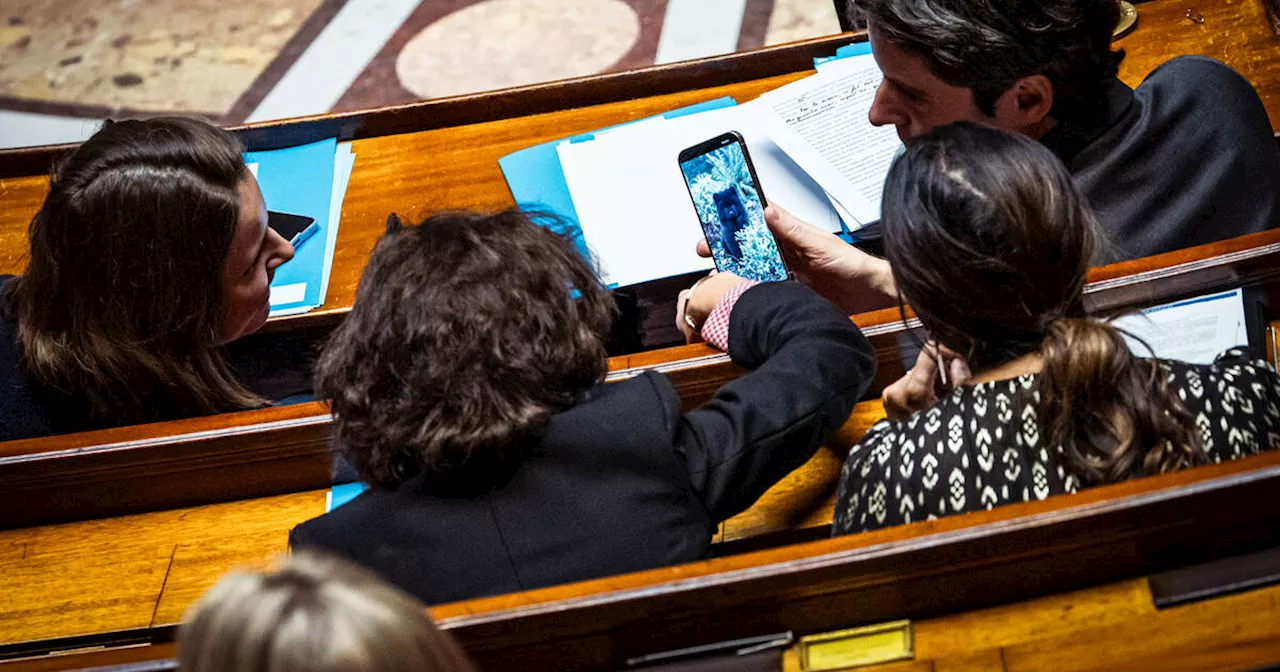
(67, 64)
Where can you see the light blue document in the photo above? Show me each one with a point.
(341, 494)
(855, 49)
(299, 181)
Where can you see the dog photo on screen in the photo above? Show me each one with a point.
(727, 202)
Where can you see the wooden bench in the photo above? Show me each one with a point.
(921, 570)
(1109, 627)
(448, 148)
(286, 449)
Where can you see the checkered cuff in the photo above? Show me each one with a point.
(716, 329)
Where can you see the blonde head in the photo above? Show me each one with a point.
(312, 614)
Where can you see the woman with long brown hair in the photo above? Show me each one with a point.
(989, 240)
(150, 252)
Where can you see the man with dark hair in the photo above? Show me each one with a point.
(1186, 158)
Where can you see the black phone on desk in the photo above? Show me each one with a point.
(294, 228)
(730, 205)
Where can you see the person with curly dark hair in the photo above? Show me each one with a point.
(467, 390)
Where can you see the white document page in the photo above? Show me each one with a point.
(634, 208)
(630, 218)
(1195, 330)
(821, 122)
(782, 181)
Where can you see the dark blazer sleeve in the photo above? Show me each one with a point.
(299, 538)
(810, 366)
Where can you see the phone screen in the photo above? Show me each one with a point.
(288, 225)
(730, 205)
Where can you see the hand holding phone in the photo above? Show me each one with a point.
(730, 205)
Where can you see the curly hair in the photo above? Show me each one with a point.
(988, 45)
(468, 333)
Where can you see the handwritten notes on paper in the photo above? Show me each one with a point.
(821, 122)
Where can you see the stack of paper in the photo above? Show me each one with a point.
(1194, 330)
(311, 181)
(822, 123)
(621, 190)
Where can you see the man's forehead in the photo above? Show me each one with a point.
(899, 58)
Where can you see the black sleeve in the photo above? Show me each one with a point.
(811, 365)
(298, 539)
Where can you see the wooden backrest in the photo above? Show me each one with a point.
(913, 571)
(952, 564)
(286, 449)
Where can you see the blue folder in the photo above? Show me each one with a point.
(855, 49)
(299, 180)
(341, 494)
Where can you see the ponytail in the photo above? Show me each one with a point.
(1110, 411)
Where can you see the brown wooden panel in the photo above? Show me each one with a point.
(196, 567)
(286, 449)
(911, 571)
(118, 584)
(918, 571)
(1235, 632)
(134, 571)
(991, 660)
(1235, 32)
(166, 465)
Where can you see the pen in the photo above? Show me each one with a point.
(942, 368)
(304, 235)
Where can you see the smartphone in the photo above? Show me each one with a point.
(294, 228)
(730, 205)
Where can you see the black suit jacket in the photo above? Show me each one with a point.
(624, 481)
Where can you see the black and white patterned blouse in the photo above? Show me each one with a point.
(982, 445)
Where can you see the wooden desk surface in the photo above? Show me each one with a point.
(1112, 627)
(416, 174)
(1108, 627)
(144, 570)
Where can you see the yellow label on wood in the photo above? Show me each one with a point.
(868, 645)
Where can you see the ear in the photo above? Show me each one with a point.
(1025, 106)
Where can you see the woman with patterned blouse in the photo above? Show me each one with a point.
(989, 241)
